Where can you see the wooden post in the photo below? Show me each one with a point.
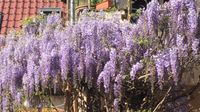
(129, 9)
(72, 11)
(89, 4)
(68, 10)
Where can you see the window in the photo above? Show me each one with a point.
(1, 19)
(48, 11)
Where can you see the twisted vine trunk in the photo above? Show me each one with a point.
(68, 107)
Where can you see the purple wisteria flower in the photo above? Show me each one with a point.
(65, 62)
(109, 71)
(113, 55)
(175, 6)
(30, 29)
(53, 19)
(174, 63)
(192, 19)
(55, 62)
(152, 12)
(5, 104)
(181, 46)
(118, 85)
(195, 46)
(135, 68)
(2, 41)
(116, 105)
(90, 70)
(97, 51)
(18, 98)
(159, 62)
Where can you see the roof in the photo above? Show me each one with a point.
(104, 5)
(14, 11)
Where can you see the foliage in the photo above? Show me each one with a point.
(136, 15)
(118, 65)
(111, 9)
(32, 20)
(94, 2)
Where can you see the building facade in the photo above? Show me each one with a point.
(14, 11)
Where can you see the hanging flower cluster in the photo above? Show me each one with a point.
(98, 51)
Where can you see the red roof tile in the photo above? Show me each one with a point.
(17, 29)
(6, 10)
(11, 24)
(6, 1)
(14, 11)
(53, 4)
(18, 17)
(19, 1)
(39, 1)
(26, 5)
(3, 30)
(4, 23)
(26, 1)
(5, 17)
(20, 5)
(6, 5)
(33, 5)
(9, 29)
(12, 1)
(25, 11)
(39, 5)
(19, 11)
(33, 1)
(46, 4)
(45, 1)
(33, 11)
(31, 15)
(11, 17)
(60, 4)
(1, 6)
(25, 16)
(13, 5)
(17, 24)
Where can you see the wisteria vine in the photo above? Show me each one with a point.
(98, 49)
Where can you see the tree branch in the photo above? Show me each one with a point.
(161, 102)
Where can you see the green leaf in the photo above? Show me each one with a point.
(143, 41)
